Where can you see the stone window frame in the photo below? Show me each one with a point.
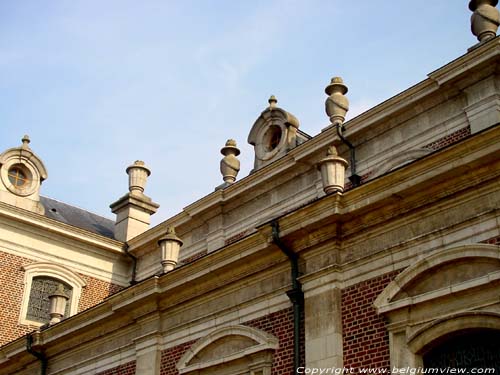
(410, 338)
(266, 343)
(55, 271)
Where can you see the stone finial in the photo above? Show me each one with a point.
(485, 19)
(134, 209)
(138, 174)
(58, 301)
(26, 141)
(230, 165)
(170, 245)
(272, 101)
(336, 104)
(332, 170)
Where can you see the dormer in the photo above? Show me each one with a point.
(21, 175)
(273, 134)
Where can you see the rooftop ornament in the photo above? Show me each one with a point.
(485, 19)
(336, 107)
(336, 104)
(137, 176)
(230, 165)
(272, 102)
(170, 246)
(332, 171)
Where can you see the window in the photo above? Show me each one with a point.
(18, 177)
(41, 280)
(272, 138)
(38, 304)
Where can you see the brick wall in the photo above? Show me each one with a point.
(171, 356)
(95, 291)
(11, 294)
(125, 369)
(12, 289)
(279, 324)
(366, 340)
(449, 139)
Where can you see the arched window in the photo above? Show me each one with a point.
(468, 350)
(38, 303)
(40, 281)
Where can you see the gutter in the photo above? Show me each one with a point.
(38, 354)
(295, 295)
(354, 178)
(133, 281)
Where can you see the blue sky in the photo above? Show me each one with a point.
(99, 84)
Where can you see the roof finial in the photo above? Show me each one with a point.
(230, 165)
(26, 141)
(485, 19)
(272, 101)
(336, 104)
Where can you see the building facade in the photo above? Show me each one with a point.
(374, 244)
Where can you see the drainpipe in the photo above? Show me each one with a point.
(39, 355)
(134, 264)
(354, 178)
(295, 295)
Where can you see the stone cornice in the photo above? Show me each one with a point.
(406, 99)
(64, 230)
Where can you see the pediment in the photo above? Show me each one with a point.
(223, 347)
(228, 348)
(448, 275)
(443, 273)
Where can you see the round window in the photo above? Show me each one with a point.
(18, 176)
(272, 138)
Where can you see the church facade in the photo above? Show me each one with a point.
(374, 244)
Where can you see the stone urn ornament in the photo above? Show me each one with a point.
(230, 165)
(137, 176)
(332, 170)
(57, 307)
(336, 104)
(170, 246)
(485, 19)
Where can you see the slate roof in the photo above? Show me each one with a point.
(78, 217)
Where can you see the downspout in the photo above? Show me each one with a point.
(295, 294)
(354, 178)
(39, 355)
(134, 264)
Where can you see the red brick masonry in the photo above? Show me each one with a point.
(366, 340)
(11, 294)
(125, 369)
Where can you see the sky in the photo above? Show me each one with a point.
(98, 84)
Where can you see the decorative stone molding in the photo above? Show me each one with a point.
(424, 266)
(420, 307)
(230, 165)
(230, 344)
(435, 330)
(21, 174)
(485, 19)
(57, 272)
(399, 160)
